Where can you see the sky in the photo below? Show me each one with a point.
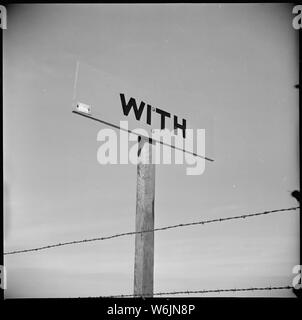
(228, 68)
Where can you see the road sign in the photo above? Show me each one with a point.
(117, 98)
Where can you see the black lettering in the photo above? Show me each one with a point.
(149, 109)
(179, 126)
(163, 114)
(132, 104)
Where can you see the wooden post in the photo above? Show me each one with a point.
(144, 242)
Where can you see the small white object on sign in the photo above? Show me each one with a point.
(84, 108)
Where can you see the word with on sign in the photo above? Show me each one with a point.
(131, 104)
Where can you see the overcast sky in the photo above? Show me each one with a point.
(230, 69)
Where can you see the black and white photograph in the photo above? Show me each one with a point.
(151, 151)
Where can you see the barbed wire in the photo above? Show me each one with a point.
(202, 222)
(200, 292)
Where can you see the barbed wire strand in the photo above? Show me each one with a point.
(202, 222)
(201, 292)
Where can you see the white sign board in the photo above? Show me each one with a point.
(118, 98)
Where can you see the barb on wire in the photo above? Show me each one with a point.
(201, 292)
(202, 222)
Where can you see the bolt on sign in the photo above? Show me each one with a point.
(141, 102)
